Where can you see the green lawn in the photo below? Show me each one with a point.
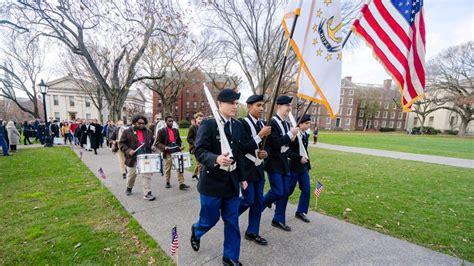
(427, 204)
(54, 211)
(450, 146)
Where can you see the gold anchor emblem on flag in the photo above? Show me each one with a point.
(332, 31)
(328, 38)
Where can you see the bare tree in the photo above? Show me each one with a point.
(220, 62)
(252, 37)
(450, 74)
(84, 79)
(124, 28)
(176, 58)
(23, 61)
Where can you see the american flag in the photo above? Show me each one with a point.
(101, 173)
(174, 241)
(395, 30)
(319, 188)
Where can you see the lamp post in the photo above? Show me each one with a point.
(47, 138)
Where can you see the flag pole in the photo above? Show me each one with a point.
(177, 250)
(316, 204)
(347, 37)
(305, 111)
(280, 77)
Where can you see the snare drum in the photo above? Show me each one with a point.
(149, 163)
(181, 160)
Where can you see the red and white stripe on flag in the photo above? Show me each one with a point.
(395, 30)
(174, 241)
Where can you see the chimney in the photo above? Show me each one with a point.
(349, 78)
(387, 84)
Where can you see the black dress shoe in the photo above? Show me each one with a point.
(229, 262)
(282, 226)
(195, 244)
(168, 185)
(258, 239)
(302, 216)
(183, 187)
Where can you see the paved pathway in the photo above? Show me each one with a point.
(466, 163)
(324, 241)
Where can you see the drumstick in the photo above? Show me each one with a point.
(139, 147)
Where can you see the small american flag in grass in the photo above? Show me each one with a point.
(101, 173)
(174, 241)
(319, 188)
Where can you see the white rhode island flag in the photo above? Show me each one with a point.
(317, 42)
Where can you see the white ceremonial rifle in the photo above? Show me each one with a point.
(300, 141)
(225, 146)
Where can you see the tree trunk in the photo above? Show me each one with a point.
(462, 128)
(422, 126)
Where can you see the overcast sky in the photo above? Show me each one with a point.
(447, 22)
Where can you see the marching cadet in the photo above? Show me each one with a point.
(277, 165)
(218, 188)
(252, 197)
(299, 169)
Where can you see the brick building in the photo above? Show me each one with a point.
(369, 106)
(191, 98)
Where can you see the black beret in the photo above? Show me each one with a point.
(255, 98)
(228, 95)
(305, 118)
(284, 99)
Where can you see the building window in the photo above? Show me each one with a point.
(342, 92)
(187, 105)
(385, 114)
(56, 116)
(399, 124)
(202, 103)
(376, 123)
(392, 115)
(88, 103)
(377, 114)
(394, 106)
(88, 116)
(430, 121)
(351, 92)
(360, 123)
(362, 103)
(348, 121)
(400, 115)
(159, 101)
(361, 113)
(350, 101)
(195, 105)
(341, 101)
(390, 125)
(314, 110)
(415, 121)
(349, 111)
(55, 100)
(387, 104)
(328, 120)
(384, 123)
(71, 100)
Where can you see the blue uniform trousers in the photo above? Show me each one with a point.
(303, 182)
(252, 198)
(228, 208)
(278, 194)
(3, 143)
